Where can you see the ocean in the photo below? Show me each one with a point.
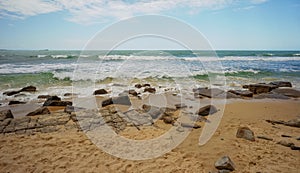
(52, 71)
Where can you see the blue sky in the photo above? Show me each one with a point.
(227, 24)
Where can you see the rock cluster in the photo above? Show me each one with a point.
(25, 89)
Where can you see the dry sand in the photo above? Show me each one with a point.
(72, 151)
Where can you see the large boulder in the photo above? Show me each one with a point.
(261, 88)
(243, 93)
(225, 163)
(287, 92)
(100, 92)
(40, 111)
(246, 133)
(207, 110)
(4, 114)
(281, 83)
(122, 100)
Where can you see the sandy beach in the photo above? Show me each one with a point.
(69, 150)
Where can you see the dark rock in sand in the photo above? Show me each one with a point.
(138, 86)
(243, 93)
(100, 92)
(133, 92)
(70, 94)
(298, 139)
(271, 96)
(265, 138)
(188, 125)
(287, 92)
(168, 119)
(150, 90)
(293, 147)
(281, 83)
(122, 100)
(207, 110)
(40, 111)
(10, 93)
(29, 89)
(261, 88)
(14, 102)
(56, 101)
(285, 143)
(43, 96)
(146, 85)
(180, 105)
(292, 123)
(286, 136)
(225, 163)
(4, 114)
(246, 133)
(210, 93)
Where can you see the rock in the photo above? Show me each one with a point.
(70, 94)
(69, 109)
(100, 92)
(133, 92)
(188, 125)
(146, 85)
(285, 143)
(138, 118)
(138, 86)
(180, 105)
(293, 123)
(122, 100)
(287, 92)
(265, 138)
(14, 102)
(210, 93)
(281, 83)
(10, 93)
(261, 88)
(286, 136)
(293, 147)
(4, 123)
(168, 119)
(58, 103)
(4, 114)
(40, 111)
(207, 110)
(29, 89)
(21, 123)
(154, 111)
(43, 96)
(225, 163)
(246, 133)
(271, 96)
(243, 93)
(150, 90)
(298, 139)
(228, 95)
(51, 99)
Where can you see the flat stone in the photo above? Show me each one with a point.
(154, 111)
(246, 133)
(15, 102)
(265, 138)
(43, 96)
(243, 93)
(122, 100)
(40, 111)
(210, 93)
(271, 96)
(21, 123)
(287, 92)
(138, 118)
(281, 83)
(207, 110)
(261, 88)
(225, 163)
(5, 114)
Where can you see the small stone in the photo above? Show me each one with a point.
(285, 143)
(150, 90)
(286, 136)
(100, 92)
(133, 92)
(168, 119)
(265, 138)
(138, 86)
(207, 110)
(293, 147)
(146, 85)
(246, 133)
(43, 96)
(14, 102)
(225, 163)
(180, 105)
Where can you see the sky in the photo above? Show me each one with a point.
(226, 24)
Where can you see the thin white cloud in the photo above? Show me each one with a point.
(85, 12)
(258, 1)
